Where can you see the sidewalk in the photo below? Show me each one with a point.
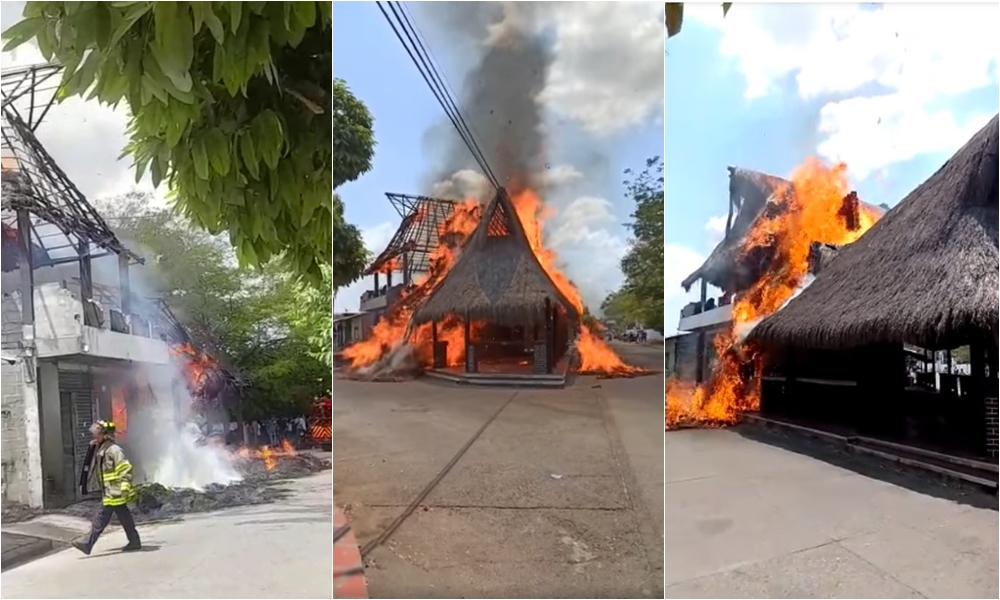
(348, 568)
(25, 541)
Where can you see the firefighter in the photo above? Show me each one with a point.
(116, 488)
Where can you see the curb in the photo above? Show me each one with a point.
(348, 569)
(21, 549)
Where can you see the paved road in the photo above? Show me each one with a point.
(268, 551)
(746, 519)
(561, 496)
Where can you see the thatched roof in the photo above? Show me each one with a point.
(748, 190)
(926, 273)
(497, 277)
(757, 196)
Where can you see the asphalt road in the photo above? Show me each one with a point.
(746, 519)
(559, 497)
(268, 551)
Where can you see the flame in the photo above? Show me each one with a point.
(532, 212)
(815, 213)
(119, 413)
(267, 455)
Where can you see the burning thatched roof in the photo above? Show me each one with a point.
(926, 273)
(755, 196)
(749, 192)
(497, 277)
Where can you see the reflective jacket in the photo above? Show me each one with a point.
(116, 474)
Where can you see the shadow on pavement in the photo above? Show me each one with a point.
(911, 478)
(145, 548)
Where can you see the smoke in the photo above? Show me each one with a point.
(498, 97)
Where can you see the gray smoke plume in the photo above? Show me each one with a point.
(498, 95)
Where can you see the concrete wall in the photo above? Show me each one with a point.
(13, 442)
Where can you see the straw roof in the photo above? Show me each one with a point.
(497, 277)
(926, 273)
(749, 190)
(758, 196)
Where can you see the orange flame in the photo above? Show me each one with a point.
(815, 213)
(267, 455)
(596, 356)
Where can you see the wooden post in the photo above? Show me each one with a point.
(376, 283)
(549, 335)
(86, 283)
(467, 332)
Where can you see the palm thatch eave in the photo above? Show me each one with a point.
(925, 274)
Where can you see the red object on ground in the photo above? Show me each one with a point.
(321, 422)
(348, 569)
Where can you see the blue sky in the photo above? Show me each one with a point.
(595, 136)
(770, 85)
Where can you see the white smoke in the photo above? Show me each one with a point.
(742, 330)
(185, 462)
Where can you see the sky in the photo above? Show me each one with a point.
(603, 107)
(892, 90)
(84, 138)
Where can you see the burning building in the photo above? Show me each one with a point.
(79, 344)
(512, 313)
(921, 282)
(774, 234)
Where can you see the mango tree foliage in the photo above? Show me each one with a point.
(310, 314)
(673, 16)
(230, 104)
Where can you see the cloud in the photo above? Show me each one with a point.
(886, 72)
(84, 138)
(375, 238)
(607, 73)
(716, 227)
(678, 262)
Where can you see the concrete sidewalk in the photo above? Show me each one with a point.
(746, 519)
(277, 550)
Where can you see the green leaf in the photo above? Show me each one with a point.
(21, 32)
(83, 78)
(200, 156)
(215, 25)
(235, 13)
(173, 44)
(305, 13)
(725, 8)
(218, 151)
(249, 154)
(135, 11)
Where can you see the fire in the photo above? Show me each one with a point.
(391, 329)
(267, 454)
(815, 213)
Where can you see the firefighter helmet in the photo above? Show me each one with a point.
(106, 427)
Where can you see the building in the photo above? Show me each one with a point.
(923, 278)
(498, 284)
(74, 350)
(753, 196)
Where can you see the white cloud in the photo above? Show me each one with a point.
(607, 73)
(84, 138)
(716, 228)
(892, 68)
(375, 238)
(678, 262)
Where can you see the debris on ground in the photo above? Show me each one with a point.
(155, 502)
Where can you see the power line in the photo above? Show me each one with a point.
(418, 54)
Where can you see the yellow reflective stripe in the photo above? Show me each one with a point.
(110, 478)
(123, 466)
(115, 501)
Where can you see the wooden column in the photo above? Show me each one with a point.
(470, 352)
(549, 335)
(86, 283)
(700, 367)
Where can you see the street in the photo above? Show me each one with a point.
(746, 519)
(265, 551)
(560, 496)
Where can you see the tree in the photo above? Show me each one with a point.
(267, 325)
(231, 103)
(673, 16)
(619, 306)
(642, 265)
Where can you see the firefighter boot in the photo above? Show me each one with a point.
(82, 547)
